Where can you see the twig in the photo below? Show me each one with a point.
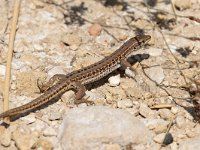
(10, 53)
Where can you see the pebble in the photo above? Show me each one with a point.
(155, 73)
(174, 110)
(114, 80)
(125, 103)
(95, 29)
(158, 125)
(180, 121)
(29, 118)
(130, 73)
(71, 39)
(24, 140)
(5, 138)
(2, 70)
(190, 144)
(159, 138)
(145, 111)
(55, 70)
(165, 113)
(154, 51)
(49, 131)
(101, 125)
(182, 4)
(55, 116)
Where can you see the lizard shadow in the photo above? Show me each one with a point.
(133, 59)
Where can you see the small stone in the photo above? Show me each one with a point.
(113, 147)
(2, 70)
(182, 4)
(165, 113)
(155, 73)
(129, 72)
(145, 111)
(114, 80)
(43, 144)
(71, 39)
(174, 110)
(55, 116)
(154, 51)
(23, 139)
(49, 131)
(55, 70)
(190, 144)
(126, 103)
(180, 121)
(95, 29)
(159, 138)
(5, 138)
(68, 97)
(29, 118)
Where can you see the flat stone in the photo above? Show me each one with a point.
(155, 73)
(98, 125)
(192, 144)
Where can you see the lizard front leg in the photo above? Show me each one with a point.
(52, 81)
(80, 93)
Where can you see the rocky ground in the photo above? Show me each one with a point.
(59, 36)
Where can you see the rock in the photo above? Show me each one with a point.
(174, 110)
(24, 140)
(29, 118)
(158, 125)
(129, 73)
(125, 103)
(2, 70)
(154, 51)
(114, 80)
(190, 144)
(49, 131)
(145, 111)
(5, 137)
(55, 70)
(165, 113)
(159, 138)
(95, 29)
(55, 116)
(98, 125)
(71, 39)
(180, 121)
(155, 73)
(182, 4)
(43, 144)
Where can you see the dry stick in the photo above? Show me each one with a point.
(10, 53)
(174, 10)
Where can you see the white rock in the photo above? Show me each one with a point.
(159, 138)
(125, 103)
(191, 144)
(97, 125)
(165, 113)
(154, 51)
(49, 131)
(2, 70)
(29, 118)
(155, 73)
(174, 110)
(180, 121)
(55, 70)
(145, 111)
(5, 138)
(114, 80)
(129, 72)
